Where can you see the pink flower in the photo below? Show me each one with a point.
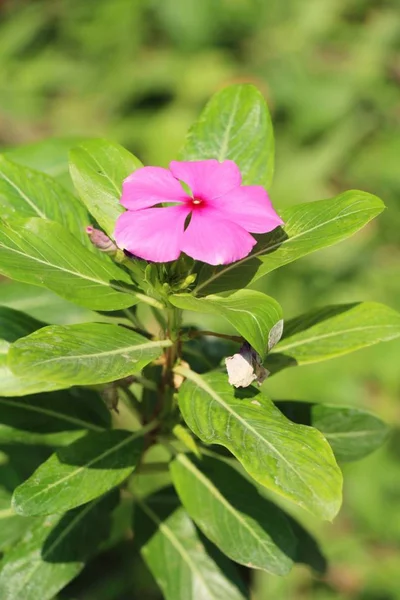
(210, 224)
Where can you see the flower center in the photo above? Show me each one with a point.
(197, 201)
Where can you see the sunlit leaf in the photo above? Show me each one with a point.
(292, 460)
(84, 354)
(308, 227)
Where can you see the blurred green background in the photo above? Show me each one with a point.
(139, 72)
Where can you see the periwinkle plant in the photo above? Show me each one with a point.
(138, 407)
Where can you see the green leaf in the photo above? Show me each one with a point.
(12, 526)
(52, 418)
(292, 460)
(14, 324)
(43, 304)
(308, 227)
(98, 168)
(43, 253)
(80, 472)
(351, 432)
(28, 193)
(85, 354)
(233, 515)
(235, 125)
(252, 314)
(54, 551)
(48, 156)
(183, 566)
(333, 331)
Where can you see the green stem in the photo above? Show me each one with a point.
(233, 338)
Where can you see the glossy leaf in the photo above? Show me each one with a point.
(235, 125)
(98, 168)
(292, 460)
(232, 514)
(308, 227)
(80, 472)
(44, 253)
(352, 433)
(85, 354)
(251, 313)
(28, 193)
(333, 331)
(54, 551)
(52, 418)
(184, 568)
(14, 324)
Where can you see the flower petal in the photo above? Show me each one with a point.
(250, 207)
(148, 186)
(153, 234)
(208, 178)
(215, 241)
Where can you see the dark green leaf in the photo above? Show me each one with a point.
(80, 472)
(333, 331)
(52, 418)
(308, 227)
(28, 193)
(43, 253)
(54, 551)
(183, 566)
(235, 125)
(294, 461)
(252, 314)
(352, 433)
(233, 515)
(85, 354)
(98, 168)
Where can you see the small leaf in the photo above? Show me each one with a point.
(80, 472)
(85, 354)
(98, 168)
(44, 253)
(333, 331)
(308, 227)
(184, 568)
(351, 432)
(233, 515)
(292, 460)
(54, 551)
(252, 314)
(28, 193)
(52, 418)
(235, 125)
(14, 324)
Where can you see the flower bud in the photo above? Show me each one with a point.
(101, 240)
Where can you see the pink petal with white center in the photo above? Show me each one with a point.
(207, 178)
(148, 186)
(214, 240)
(250, 207)
(154, 234)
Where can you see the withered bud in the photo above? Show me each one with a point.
(101, 240)
(245, 367)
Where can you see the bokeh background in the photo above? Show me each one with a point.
(139, 72)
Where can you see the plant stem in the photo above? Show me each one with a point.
(233, 338)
